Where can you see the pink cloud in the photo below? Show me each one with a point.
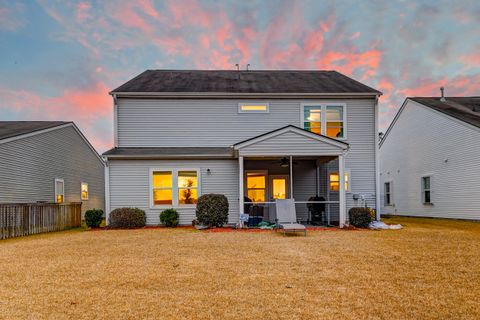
(11, 16)
(190, 12)
(84, 106)
(82, 11)
(471, 60)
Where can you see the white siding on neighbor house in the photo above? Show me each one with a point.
(425, 142)
(290, 143)
(130, 185)
(29, 166)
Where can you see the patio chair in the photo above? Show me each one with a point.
(287, 217)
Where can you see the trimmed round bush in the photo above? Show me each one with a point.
(93, 218)
(127, 218)
(360, 217)
(169, 218)
(212, 210)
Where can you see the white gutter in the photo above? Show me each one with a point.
(377, 162)
(115, 121)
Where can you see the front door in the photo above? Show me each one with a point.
(279, 187)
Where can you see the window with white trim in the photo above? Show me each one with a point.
(174, 187)
(84, 191)
(253, 107)
(426, 190)
(327, 119)
(387, 189)
(59, 191)
(334, 181)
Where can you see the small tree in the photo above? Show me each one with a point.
(169, 218)
(93, 218)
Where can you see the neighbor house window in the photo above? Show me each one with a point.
(325, 119)
(174, 187)
(84, 190)
(253, 107)
(334, 181)
(388, 193)
(426, 190)
(59, 191)
(256, 186)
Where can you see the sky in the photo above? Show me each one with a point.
(59, 59)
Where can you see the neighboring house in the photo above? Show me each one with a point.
(253, 136)
(430, 159)
(49, 161)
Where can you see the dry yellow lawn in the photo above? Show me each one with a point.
(429, 270)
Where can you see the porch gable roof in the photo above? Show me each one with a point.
(291, 140)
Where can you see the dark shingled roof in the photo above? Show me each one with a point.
(243, 82)
(466, 109)
(10, 129)
(170, 152)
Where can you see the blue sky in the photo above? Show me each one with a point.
(59, 59)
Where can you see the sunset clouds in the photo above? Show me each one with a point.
(60, 59)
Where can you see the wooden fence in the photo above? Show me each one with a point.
(17, 220)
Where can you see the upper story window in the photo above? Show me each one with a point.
(174, 187)
(84, 190)
(253, 107)
(59, 191)
(324, 118)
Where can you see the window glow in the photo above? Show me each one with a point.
(162, 188)
(279, 188)
(335, 182)
(256, 189)
(59, 191)
(84, 191)
(260, 107)
(187, 187)
(324, 119)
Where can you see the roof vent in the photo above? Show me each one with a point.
(442, 91)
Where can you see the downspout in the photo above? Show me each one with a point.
(107, 190)
(115, 120)
(377, 161)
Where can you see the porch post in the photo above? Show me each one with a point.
(343, 207)
(240, 186)
(291, 177)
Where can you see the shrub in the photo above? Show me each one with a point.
(127, 218)
(93, 218)
(360, 217)
(169, 218)
(212, 210)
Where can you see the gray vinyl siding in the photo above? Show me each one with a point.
(130, 185)
(424, 142)
(30, 165)
(295, 144)
(216, 122)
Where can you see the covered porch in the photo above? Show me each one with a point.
(293, 163)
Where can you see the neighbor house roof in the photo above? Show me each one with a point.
(170, 152)
(243, 82)
(466, 109)
(10, 129)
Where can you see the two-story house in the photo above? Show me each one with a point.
(254, 136)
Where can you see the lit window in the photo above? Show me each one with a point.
(59, 191)
(388, 193)
(335, 182)
(84, 190)
(253, 107)
(162, 188)
(426, 190)
(256, 186)
(325, 119)
(175, 187)
(279, 186)
(187, 187)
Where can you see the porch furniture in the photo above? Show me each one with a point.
(256, 215)
(316, 211)
(287, 217)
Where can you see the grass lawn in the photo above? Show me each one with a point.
(429, 270)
